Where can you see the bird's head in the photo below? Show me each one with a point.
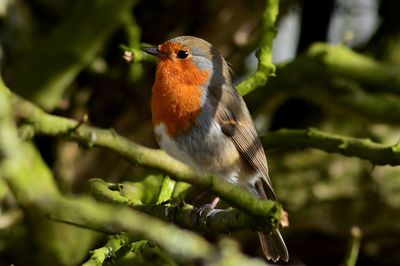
(190, 60)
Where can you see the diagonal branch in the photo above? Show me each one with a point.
(183, 245)
(266, 212)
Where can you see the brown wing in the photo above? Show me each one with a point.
(236, 122)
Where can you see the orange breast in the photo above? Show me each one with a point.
(176, 95)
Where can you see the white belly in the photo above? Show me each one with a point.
(206, 151)
(171, 146)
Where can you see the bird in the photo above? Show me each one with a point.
(200, 119)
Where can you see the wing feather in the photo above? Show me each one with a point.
(236, 123)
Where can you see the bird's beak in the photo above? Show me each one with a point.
(154, 51)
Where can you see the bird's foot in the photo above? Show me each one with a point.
(198, 212)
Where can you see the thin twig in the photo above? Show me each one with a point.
(354, 246)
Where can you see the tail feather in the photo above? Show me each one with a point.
(273, 246)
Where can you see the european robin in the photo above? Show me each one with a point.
(200, 119)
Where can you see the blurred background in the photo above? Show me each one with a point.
(65, 56)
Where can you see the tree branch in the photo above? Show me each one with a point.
(354, 246)
(377, 154)
(110, 251)
(113, 219)
(185, 215)
(183, 245)
(265, 67)
(166, 190)
(31, 182)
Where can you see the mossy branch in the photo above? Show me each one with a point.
(185, 215)
(113, 219)
(183, 245)
(267, 213)
(16, 169)
(265, 67)
(110, 251)
(31, 182)
(166, 190)
(377, 154)
(354, 246)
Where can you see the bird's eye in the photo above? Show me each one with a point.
(182, 54)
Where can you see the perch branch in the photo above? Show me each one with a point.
(113, 219)
(266, 212)
(183, 245)
(16, 168)
(209, 220)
